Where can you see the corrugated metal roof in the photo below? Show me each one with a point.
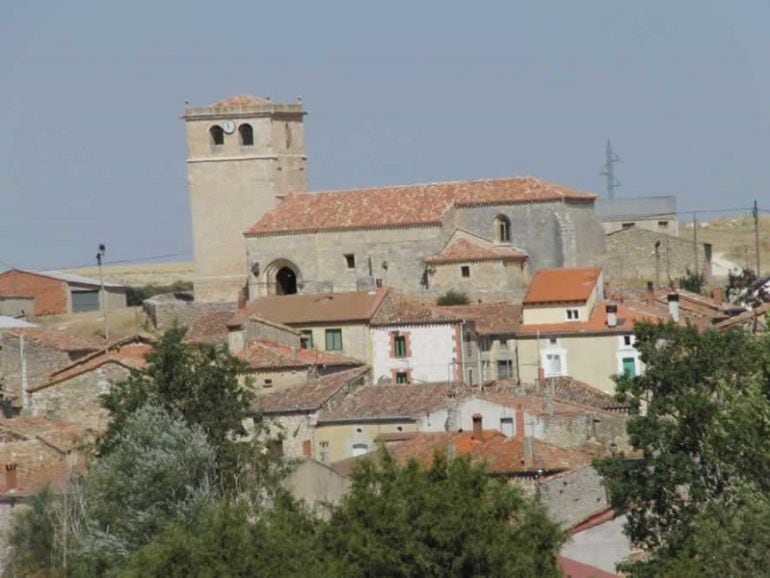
(79, 279)
(635, 207)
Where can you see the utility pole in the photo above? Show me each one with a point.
(609, 170)
(657, 264)
(755, 214)
(695, 239)
(103, 294)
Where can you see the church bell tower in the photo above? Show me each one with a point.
(243, 155)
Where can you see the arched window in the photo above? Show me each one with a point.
(247, 135)
(217, 135)
(502, 229)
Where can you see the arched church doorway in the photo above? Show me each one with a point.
(285, 281)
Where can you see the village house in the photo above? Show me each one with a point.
(35, 453)
(403, 338)
(61, 293)
(655, 214)
(569, 329)
(73, 393)
(246, 165)
(495, 324)
(292, 413)
(29, 355)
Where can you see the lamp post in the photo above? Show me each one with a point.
(103, 294)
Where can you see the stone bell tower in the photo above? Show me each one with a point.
(243, 154)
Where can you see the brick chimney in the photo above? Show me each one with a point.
(649, 295)
(519, 423)
(718, 295)
(10, 477)
(478, 430)
(612, 315)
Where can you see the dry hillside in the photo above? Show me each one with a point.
(733, 238)
(139, 274)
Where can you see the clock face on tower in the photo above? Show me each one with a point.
(228, 126)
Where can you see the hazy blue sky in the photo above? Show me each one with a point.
(397, 92)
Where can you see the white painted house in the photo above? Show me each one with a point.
(413, 342)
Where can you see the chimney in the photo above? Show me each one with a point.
(718, 295)
(478, 430)
(673, 307)
(649, 295)
(519, 422)
(10, 477)
(612, 315)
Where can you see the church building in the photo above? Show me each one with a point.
(257, 231)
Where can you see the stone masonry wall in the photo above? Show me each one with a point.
(41, 360)
(572, 497)
(77, 399)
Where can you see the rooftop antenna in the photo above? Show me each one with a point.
(609, 171)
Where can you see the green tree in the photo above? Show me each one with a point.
(449, 520)
(699, 426)
(453, 297)
(692, 281)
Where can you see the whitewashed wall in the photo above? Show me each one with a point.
(432, 352)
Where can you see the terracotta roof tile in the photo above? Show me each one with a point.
(312, 308)
(130, 355)
(502, 455)
(465, 250)
(497, 318)
(398, 308)
(562, 285)
(387, 401)
(596, 323)
(312, 395)
(263, 354)
(401, 206)
(56, 339)
(209, 328)
(570, 390)
(574, 569)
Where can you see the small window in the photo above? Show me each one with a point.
(402, 377)
(465, 271)
(553, 364)
(287, 128)
(334, 340)
(627, 225)
(360, 449)
(506, 426)
(268, 383)
(485, 344)
(247, 135)
(573, 314)
(553, 341)
(629, 366)
(628, 340)
(663, 224)
(399, 346)
(350, 261)
(217, 135)
(504, 369)
(306, 339)
(502, 229)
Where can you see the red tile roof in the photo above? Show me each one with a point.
(312, 308)
(262, 354)
(569, 390)
(209, 328)
(240, 100)
(41, 450)
(502, 455)
(465, 251)
(496, 318)
(562, 285)
(596, 323)
(312, 395)
(130, 353)
(403, 206)
(573, 569)
(400, 309)
(56, 339)
(389, 401)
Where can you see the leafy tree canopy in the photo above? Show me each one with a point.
(700, 425)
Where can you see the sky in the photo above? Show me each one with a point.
(396, 93)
